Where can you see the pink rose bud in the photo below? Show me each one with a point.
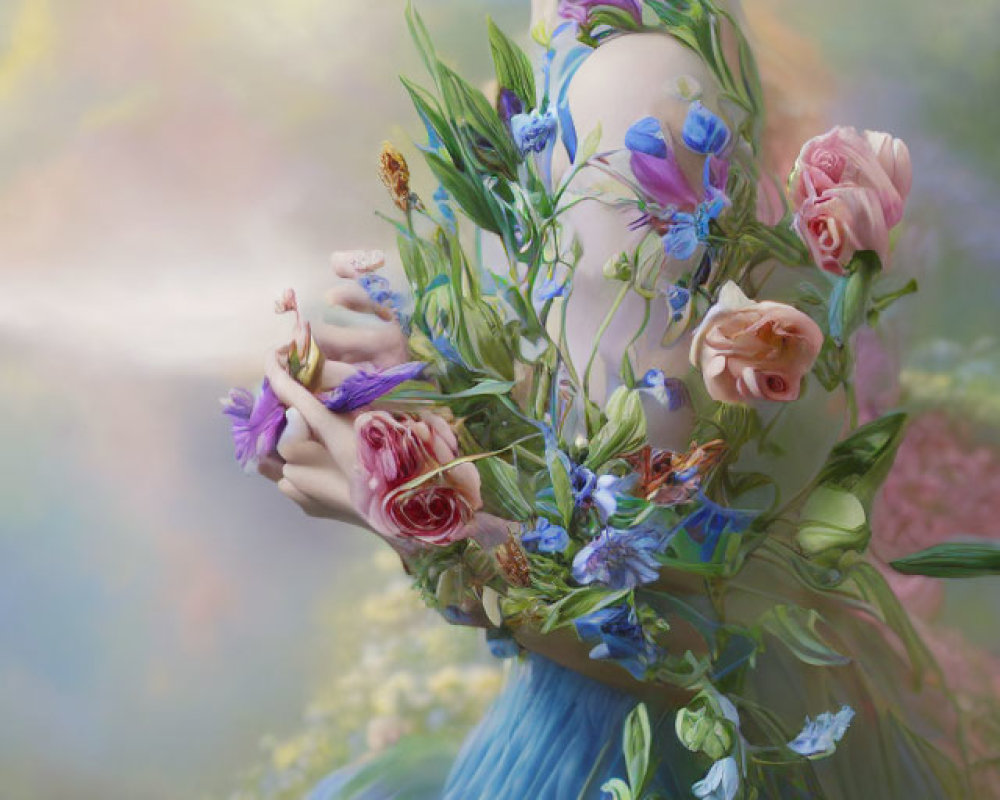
(838, 223)
(844, 157)
(754, 351)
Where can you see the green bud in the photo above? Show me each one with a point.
(702, 727)
(618, 268)
(832, 522)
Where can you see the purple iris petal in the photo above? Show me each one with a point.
(364, 387)
(257, 423)
(619, 559)
(663, 180)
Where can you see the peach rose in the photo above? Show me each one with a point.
(840, 222)
(843, 157)
(754, 351)
(396, 449)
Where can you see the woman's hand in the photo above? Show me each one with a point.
(316, 461)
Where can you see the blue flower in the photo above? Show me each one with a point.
(721, 783)
(710, 520)
(620, 638)
(545, 538)
(583, 482)
(678, 299)
(669, 392)
(501, 643)
(619, 559)
(364, 387)
(704, 132)
(533, 132)
(819, 737)
(646, 136)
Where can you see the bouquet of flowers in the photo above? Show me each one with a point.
(520, 497)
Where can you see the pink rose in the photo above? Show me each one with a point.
(838, 223)
(396, 449)
(842, 157)
(754, 351)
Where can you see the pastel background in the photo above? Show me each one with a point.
(166, 169)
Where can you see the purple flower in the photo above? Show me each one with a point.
(580, 10)
(508, 105)
(620, 638)
(363, 388)
(619, 559)
(545, 538)
(710, 520)
(257, 423)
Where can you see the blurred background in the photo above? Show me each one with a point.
(172, 628)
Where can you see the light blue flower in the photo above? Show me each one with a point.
(721, 783)
(704, 132)
(646, 136)
(669, 392)
(819, 737)
(501, 643)
(545, 538)
(619, 559)
(533, 132)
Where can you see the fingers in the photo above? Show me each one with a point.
(353, 297)
(352, 263)
(296, 431)
(270, 466)
(335, 373)
(333, 430)
(384, 345)
(321, 485)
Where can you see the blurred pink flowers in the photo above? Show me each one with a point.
(396, 449)
(754, 351)
(849, 189)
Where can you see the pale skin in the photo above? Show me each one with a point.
(624, 80)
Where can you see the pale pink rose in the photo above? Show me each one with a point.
(840, 222)
(754, 351)
(396, 449)
(843, 157)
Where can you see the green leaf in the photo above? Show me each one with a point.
(513, 67)
(481, 389)
(637, 738)
(562, 489)
(624, 431)
(796, 628)
(952, 560)
(501, 492)
(618, 789)
(468, 191)
(579, 603)
(876, 591)
(861, 462)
